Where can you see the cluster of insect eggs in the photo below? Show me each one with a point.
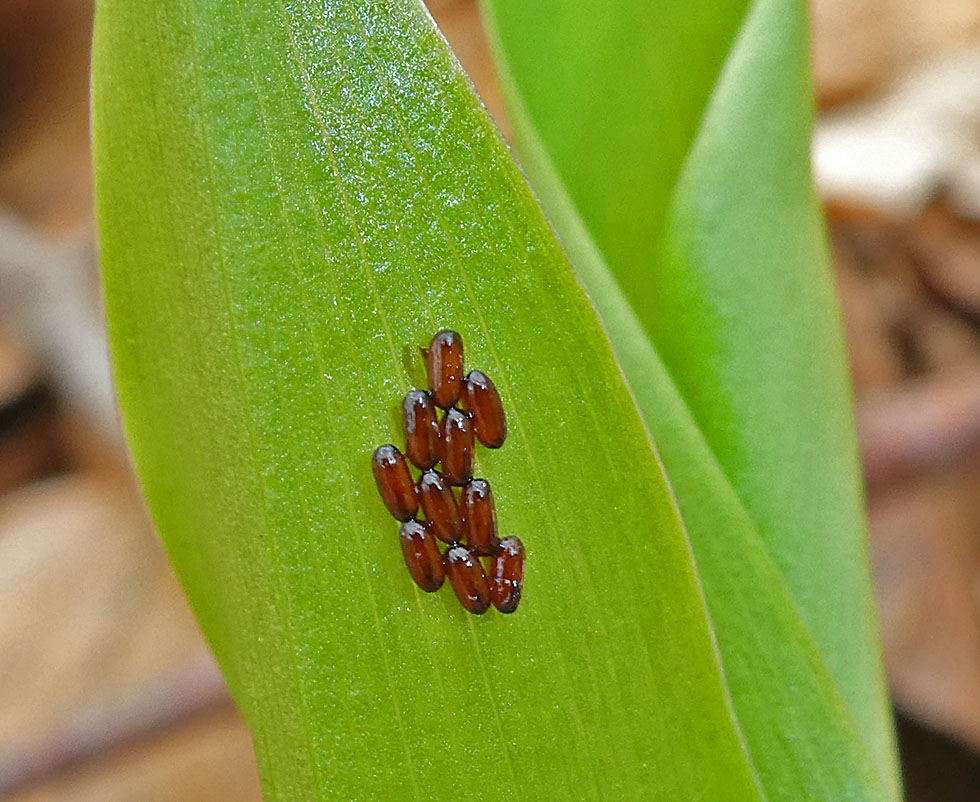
(469, 525)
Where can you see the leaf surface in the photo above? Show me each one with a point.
(292, 198)
(733, 312)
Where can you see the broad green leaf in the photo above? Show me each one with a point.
(616, 89)
(749, 330)
(292, 198)
(728, 326)
(801, 737)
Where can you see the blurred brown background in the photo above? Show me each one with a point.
(108, 692)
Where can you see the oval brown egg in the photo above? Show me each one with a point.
(483, 402)
(444, 365)
(507, 574)
(468, 579)
(422, 555)
(439, 506)
(395, 482)
(456, 447)
(479, 517)
(421, 429)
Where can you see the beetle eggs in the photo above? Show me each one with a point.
(468, 579)
(422, 555)
(507, 574)
(439, 506)
(479, 517)
(394, 482)
(456, 447)
(483, 402)
(421, 429)
(444, 366)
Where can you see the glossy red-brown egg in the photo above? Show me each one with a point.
(507, 574)
(443, 447)
(468, 579)
(422, 555)
(439, 506)
(456, 447)
(421, 429)
(395, 482)
(479, 517)
(483, 402)
(444, 365)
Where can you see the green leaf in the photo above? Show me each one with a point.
(749, 330)
(292, 198)
(616, 89)
(727, 331)
(801, 737)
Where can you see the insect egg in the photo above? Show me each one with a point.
(456, 447)
(421, 429)
(444, 365)
(394, 482)
(507, 574)
(422, 556)
(479, 517)
(443, 446)
(439, 506)
(483, 402)
(468, 580)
